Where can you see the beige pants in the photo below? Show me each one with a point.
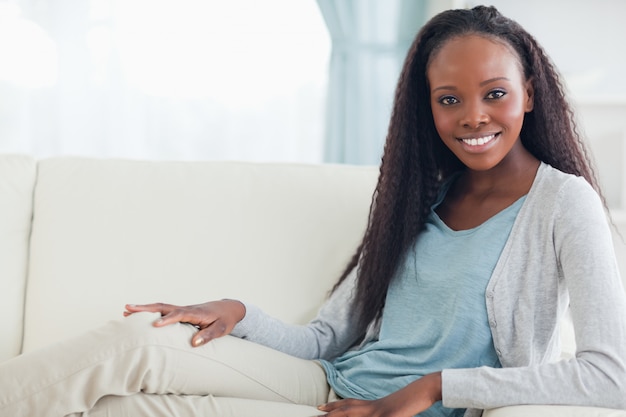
(130, 368)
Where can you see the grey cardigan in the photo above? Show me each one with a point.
(559, 253)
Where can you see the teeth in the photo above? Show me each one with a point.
(478, 141)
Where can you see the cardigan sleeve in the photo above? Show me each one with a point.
(333, 331)
(596, 376)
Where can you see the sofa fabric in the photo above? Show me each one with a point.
(17, 179)
(110, 232)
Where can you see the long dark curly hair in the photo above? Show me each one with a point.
(415, 161)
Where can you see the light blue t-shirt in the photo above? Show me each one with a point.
(435, 315)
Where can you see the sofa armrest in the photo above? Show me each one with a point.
(553, 411)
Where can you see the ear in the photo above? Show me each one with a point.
(530, 95)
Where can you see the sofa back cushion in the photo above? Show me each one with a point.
(110, 232)
(17, 180)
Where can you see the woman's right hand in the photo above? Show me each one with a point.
(213, 319)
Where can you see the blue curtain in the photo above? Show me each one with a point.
(370, 39)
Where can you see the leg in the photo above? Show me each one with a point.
(130, 356)
(144, 405)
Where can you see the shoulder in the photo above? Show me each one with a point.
(561, 191)
(550, 179)
(568, 206)
(559, 203)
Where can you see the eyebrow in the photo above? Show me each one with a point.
(483, 83)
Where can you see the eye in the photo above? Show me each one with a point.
(448, 100)
(495, 94)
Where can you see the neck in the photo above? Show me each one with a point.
(514, 173)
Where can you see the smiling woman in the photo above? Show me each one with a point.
(166, 79)
(486, 226)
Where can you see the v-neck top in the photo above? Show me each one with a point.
(435, 315)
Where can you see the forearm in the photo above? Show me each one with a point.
(333, 331)
(573, 382)
(419, 395)
(295, 340)
(406, 402)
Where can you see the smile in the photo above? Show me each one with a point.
(478, 141)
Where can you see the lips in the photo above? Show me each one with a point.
(479, 140)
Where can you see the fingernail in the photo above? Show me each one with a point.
(198, 341)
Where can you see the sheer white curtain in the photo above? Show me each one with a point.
(164, 79)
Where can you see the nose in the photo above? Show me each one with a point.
(474, 116)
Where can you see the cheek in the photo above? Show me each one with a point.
(513, 111)
(444, 123)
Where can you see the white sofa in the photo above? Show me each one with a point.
(81, 237)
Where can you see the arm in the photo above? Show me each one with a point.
(406, 402)
(330, 333)
(586, 263)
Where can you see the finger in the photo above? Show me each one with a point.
(152, 308)
(176, 315)
(332, 405)
(348, 407)
(161, 308)
(212, 331)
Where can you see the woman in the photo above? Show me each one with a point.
(486, 223)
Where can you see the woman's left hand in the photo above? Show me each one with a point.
(407, 402)
(364, 408)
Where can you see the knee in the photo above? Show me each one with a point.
(138, 329)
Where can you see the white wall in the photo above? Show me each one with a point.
(584, 38)
(587, 42)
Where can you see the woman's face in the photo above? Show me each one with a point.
(478, 97)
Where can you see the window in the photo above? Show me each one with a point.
(165, 79)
